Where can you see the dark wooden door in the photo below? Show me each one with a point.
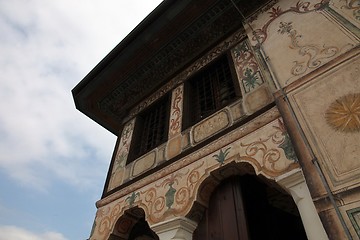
(225, 218)
(243, 208)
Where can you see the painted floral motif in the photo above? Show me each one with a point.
(175, 200)
(122, 154)
(247, 67)
(124, 145)
(131, 199)
(173, 191)
(269, 156)
(344, 113)
(176, 109)
(170, 196)
(221, 156)
(315, 54)
(260, 34)
(286, 144)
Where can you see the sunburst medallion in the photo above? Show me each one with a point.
(344, 113)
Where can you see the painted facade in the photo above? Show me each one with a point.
(296, 125)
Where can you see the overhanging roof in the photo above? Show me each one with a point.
(165, 42)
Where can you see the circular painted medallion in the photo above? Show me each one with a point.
(344, 113)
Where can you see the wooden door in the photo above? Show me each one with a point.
(225, 218)
(243, 208)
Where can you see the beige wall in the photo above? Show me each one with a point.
(308, 58)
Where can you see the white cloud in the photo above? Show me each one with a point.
(13, 232)
(46, 48)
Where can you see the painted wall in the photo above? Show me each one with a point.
(261, 147)
(305, 55)
(312, 51)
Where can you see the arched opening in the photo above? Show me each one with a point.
(133, 226)
(246, 207)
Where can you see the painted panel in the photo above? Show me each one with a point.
(176, 111)
(143, 164)
(257, 99)
(117, 171)
(294, 46)
(329, 111)
(247, 68)
(210, 126)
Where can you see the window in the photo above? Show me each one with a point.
(208, 91)
(151, 128)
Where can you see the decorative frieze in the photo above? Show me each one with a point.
(172, 192)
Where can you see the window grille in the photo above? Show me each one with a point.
(208, 91)
(151, 128)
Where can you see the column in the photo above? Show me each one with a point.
(174, 138)
(294, 183)
(179, 228)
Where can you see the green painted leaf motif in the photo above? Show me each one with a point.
(170, 196)
(250, 78)
(132, 197)
(221, 156)
(288, 148)
(241, 49)
(120, 162)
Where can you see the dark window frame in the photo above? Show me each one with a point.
(209, 90)
(151, 128)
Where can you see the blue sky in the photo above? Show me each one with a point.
(53, 159)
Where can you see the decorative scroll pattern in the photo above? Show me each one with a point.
(176, 112)
(344, 113)
(260, 34)
(107, 218)
(247, 67)
(353, 5)
(315, 54)
(263, 10)
(267, 156)
(122, 153)
(177, 198)
(174, 190)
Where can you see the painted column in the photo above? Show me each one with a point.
(180, 228)
(294, 183)
(174, 142)
(117, 172)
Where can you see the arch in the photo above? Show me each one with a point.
(132, 225)
(291, 182)
(241, 204)
(209, 183)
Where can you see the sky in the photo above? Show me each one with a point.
(54, 159)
